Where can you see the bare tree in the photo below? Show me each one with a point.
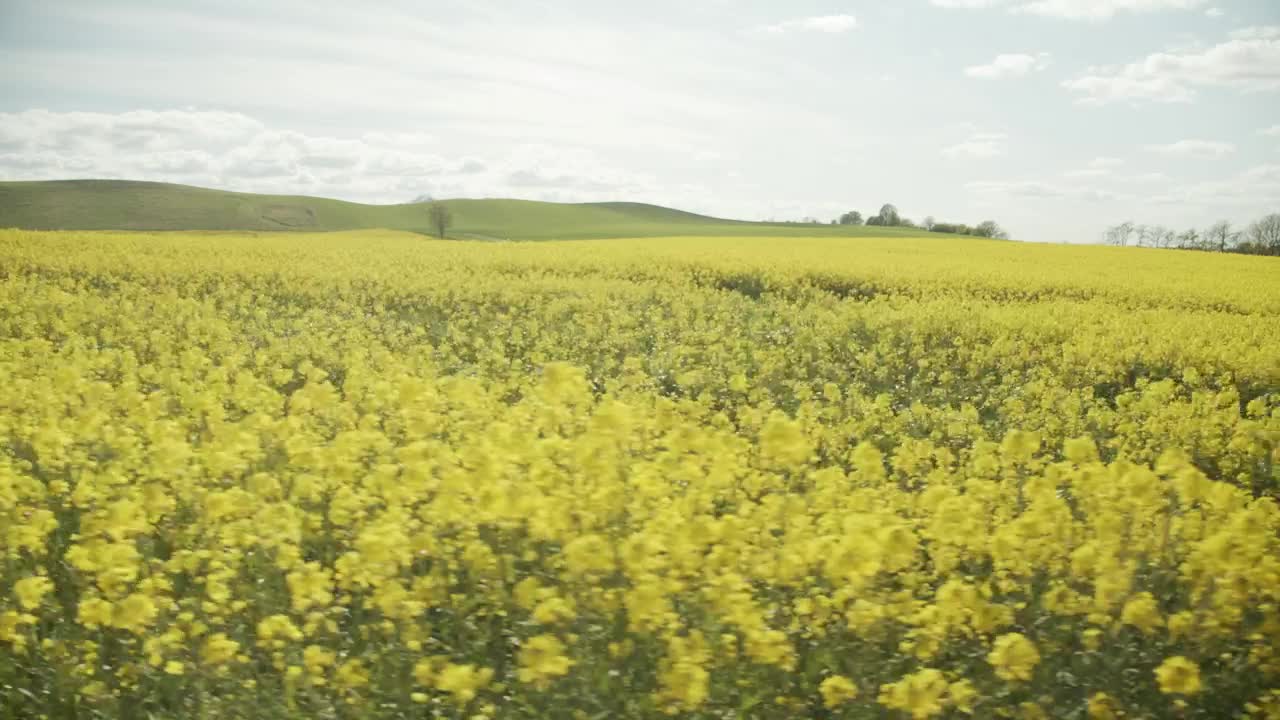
(1160, 236)
(1141, 235)
(1189, 239)
(1260, 238)
(1219, 236)
(440, 217)
(1120, 234)
(1264, 234)
(928, 223)
(889, 215)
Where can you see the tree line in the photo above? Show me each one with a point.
(890, 217)
(1261, 237)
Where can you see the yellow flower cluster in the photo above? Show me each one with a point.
(370, 475)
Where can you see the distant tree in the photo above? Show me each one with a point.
(1188, 239)
(1140, 235)
(927, 223)
(1219, 236)
(853, 217)
(1264, 235)
(875, 221)
(889, 215)
(1119, 234)
(990, 229)
(440, 218)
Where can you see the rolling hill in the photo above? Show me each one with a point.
(135, 205)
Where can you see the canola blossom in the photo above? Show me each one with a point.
(368, 475)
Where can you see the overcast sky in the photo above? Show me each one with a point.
(1054, 117)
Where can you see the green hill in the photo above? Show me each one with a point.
(133, 205)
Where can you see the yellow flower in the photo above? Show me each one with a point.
(684, 686)
(588, 554)
(1014, 657)
(837, 690)
(1091, 639)
(1020, 446)
(961, 694)
(1143, 613)
(218, 649)
(1102, 707)
(310, 586)
(11, 623)
(783, 441)
(31, 590)
(554, 610)
(1180, 624)
(1178, 676)
(94, 612)
(542, 659)
(869, 461)
(351, 675)
(317, 659)
(923, 694)
(424, 671)
(1080, 450)
(1031, 711)
(173, 667)
(463, 682)
(276, 630)
(134, 613)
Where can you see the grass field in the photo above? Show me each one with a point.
(372, 475)
(130, 205)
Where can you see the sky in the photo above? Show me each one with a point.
(1056, 118)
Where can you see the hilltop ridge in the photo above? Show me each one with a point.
(142, 205)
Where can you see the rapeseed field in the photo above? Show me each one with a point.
(368, 475)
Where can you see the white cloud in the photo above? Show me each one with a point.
(820, 23)
(1214, 12)
(1102, 9)
(1257, 32)
(1010, 65)
(1256, 188)
(979, 146)
(1087, 173)
(1241, 195)
(1248, 61)
(1075, 9)
(138, 130)
(969, 4)
(1037, 189)
(1147, 178)
(237, 152)
(1193, 149)
(1098, 167)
